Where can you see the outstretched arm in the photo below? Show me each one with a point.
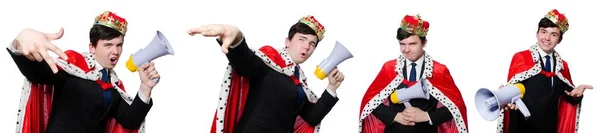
(243, 60)
(37, 72)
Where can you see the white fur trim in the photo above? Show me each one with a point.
(288, 70)
(25, 91)
(71, 69)
(535, 70)
(433, 91)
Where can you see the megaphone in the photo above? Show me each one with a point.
(403, 95)
(159, 46)
(337, 56)
(489, 103)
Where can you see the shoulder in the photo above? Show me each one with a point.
(84, 61)
(439, 67)
(524, 54)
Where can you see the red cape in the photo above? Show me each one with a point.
(442, 88)
(36, 99)
(525, 65)
(235, 89)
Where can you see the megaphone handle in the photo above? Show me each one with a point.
(407, 104)
(521, 106)
(155, 80)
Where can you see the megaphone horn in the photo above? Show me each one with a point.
(337, 56)
(489, 103)
(159, 46)
(403, 95)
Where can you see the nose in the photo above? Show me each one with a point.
(404, 49)
(306, 45)
(114, 50)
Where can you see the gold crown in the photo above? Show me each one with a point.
(111, 20)
(415, 25)
(559, 19)
(314, 24)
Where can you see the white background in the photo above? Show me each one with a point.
(475, 39)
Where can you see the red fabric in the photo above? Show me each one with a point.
(39, 105)
(567, 113)
(238, 93)
(441, 79)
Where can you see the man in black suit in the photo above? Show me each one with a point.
(79, 92)
(265, 90)
(551, 97)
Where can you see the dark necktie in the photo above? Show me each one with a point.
(106, 95)
(413, 73)
(547, 66)
(301, 96)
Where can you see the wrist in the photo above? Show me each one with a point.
(332, 87)
(146, 91)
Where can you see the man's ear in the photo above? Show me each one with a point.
(287, 42)
(92, 48)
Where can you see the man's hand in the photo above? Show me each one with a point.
(35, 44)
(414, 114)
(401, 118)
(578, 92)
(227, 33)
(147, 73)
(335, 79)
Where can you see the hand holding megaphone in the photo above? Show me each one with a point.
(488, 103)
(159, 46)
(403, 95)
(337, 56)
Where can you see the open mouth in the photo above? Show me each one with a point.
(113, 60)
(303, 54)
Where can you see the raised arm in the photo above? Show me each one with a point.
(243, 60)
(233, 44)
(35, 71)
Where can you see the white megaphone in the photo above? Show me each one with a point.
(489, 103)
(159, 46)
(403, 95)
(337, 56)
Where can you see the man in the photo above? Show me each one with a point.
(445, 110)
(81, 92)
(551, 97)
(265, 90)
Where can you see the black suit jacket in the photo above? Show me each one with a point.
(270, 106)
(77, 103)
(541, 98)
(386, 114)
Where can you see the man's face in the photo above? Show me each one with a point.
(301, 46)
(548, 38)
(412, 48)
(107, 52)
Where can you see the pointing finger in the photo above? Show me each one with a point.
(49, 61)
